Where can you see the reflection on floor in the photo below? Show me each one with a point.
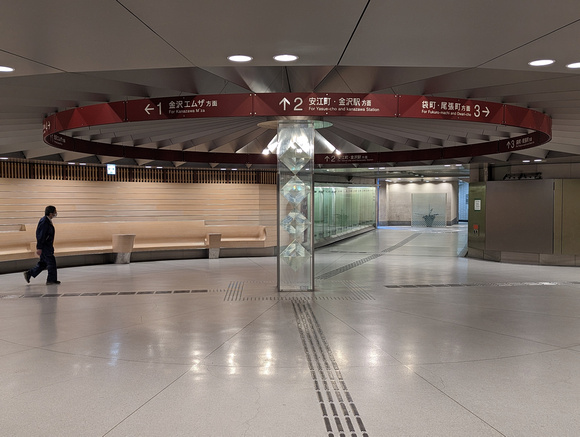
(402, 337)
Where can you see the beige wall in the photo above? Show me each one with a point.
(23, 202)
(395, 200)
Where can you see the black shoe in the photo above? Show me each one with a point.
(52, 282)
(26, 276)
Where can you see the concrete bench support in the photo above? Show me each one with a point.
(122, 247)
(213, 241)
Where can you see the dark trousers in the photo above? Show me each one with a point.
(47, 261)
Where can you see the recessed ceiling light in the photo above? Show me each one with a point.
(6, 69)
(574, 65)
(285, 58)
(526, 160)
(240, 58)
(541, 62)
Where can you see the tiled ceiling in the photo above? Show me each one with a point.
(68, 54)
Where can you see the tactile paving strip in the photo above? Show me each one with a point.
(339, 411)
(103, 293)
(235, 290)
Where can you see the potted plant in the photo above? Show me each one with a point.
(429, 218)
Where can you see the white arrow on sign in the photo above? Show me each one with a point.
(148, 109)
(284, 102)
(486, 111)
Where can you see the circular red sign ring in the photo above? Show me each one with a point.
(288, 105)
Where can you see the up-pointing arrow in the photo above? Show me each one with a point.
(284, 102)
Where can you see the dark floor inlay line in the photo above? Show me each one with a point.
(480, 284)
(336, 403)
(401, 243)
(352, 265)
(366, 259)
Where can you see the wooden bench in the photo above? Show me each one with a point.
(18, 244)
(114, 237)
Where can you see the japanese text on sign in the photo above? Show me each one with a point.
(190, 106)
(450, 108)
(517, 143)
(327, 104)
(347, 158)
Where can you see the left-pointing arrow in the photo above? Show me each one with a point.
(148, 109)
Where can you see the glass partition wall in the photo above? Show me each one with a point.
(342, 210)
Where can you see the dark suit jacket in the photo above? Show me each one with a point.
(45, 235)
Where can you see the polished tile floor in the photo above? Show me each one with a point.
(403, 337)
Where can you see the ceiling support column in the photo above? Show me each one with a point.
(295, 205)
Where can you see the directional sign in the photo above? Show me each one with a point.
(331, 104)
(103, 113)
(311, 105)
(444, 108)
(219, 105)
(522, 142)
(347, 158)
(528, 118)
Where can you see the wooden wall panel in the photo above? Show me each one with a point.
(23, 202)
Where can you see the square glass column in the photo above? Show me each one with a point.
(295, 194)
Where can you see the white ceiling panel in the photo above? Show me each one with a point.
(70, 53)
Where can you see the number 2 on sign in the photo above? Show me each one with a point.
(298, 102)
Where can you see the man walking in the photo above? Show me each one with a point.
(45, 248)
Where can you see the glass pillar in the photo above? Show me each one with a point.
(295, 194)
